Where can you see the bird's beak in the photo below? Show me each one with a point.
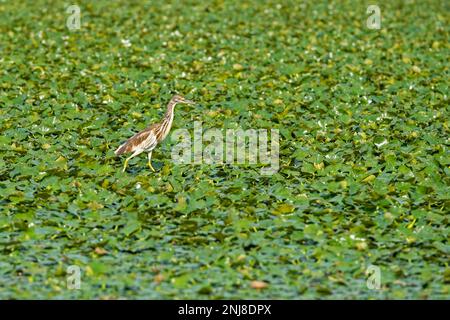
(188, 101)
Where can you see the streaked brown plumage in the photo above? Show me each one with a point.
(147, 139)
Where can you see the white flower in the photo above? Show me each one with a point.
(126, 43)
(353, 237)
(381, 143)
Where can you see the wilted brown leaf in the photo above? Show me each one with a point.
(100, 251)
(256, 284)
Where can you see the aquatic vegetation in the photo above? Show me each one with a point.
(364, 164)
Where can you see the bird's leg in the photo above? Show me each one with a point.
(125, 164)
(129, 158)
(150, 161)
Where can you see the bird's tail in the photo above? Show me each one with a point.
(120, 149)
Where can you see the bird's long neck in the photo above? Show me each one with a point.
(166, 122)
(170, 109)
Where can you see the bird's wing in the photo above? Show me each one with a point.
(136, 141)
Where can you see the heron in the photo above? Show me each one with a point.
(147, 139)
